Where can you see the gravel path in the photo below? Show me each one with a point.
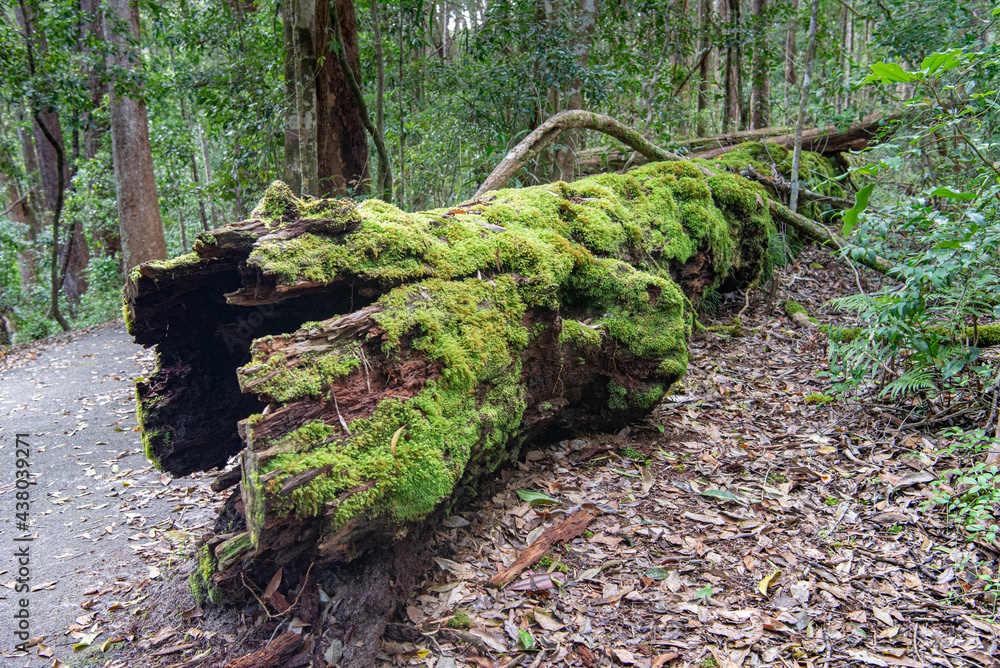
(103, 523)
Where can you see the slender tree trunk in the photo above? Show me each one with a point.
(305, 94)
(803, 105)
(380, 91)
(583, 19)
(402, 142)
(95, 128)
(20, 210)
(731, 79)
(206, 163)
(293, 165)
(705, 69)
(760, 86)
(342, 141)
(135, 182)
(791, 28)
(384, 171)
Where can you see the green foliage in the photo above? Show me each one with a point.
(970, 493)
(924, 339)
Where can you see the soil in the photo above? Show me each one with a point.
(739, 525)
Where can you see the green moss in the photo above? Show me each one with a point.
(580, 335)
(315, 371)
(148, 436)
(841, 334)
(985, 335)
(792, 307)
(460, 620)
(659, 213)
(816, 172)
(186, 260)
(201, 580)
(474, 328)
(818, 399)
(463, 288)
(233, 550)
(621, 400)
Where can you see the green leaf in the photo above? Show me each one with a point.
(888, 73)
(705, 592)
(942, 61)
(536, 499)
(860, 204)
(720, 494)
(950, 193)
(527, 641)
(657, 573)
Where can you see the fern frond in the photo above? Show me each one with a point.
(909, 383)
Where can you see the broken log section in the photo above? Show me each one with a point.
(275, 655)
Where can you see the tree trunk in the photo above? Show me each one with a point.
(791, 53)
(95, 128)
(333, 147)
(293, 165)
(760, 84)
(73, 256)
(583, 19)
(705, 69)
(206, 162)
(135, 183)
(803, 105)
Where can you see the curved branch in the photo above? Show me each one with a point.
(546, 133)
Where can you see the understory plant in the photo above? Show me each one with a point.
(923, 345)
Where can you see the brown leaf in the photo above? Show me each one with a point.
(272, 586)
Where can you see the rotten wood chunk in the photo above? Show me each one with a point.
(570, 528)
(275, 655)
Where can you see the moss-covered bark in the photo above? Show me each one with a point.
(425, 347)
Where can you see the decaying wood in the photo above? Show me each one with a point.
(275, 655)
(827, 141)
(784, 187)
(611, 159)
(571, 527)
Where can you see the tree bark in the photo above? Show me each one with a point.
(333, 147)
(705, 69)
(139, 218)
(803, 104)
(583, 19)
(292, 172)
(760, 84)
(791, 52)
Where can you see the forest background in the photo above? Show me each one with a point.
(448, 86)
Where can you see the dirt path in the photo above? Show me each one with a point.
(104, 524)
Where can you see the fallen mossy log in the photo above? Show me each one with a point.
(371, 366)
